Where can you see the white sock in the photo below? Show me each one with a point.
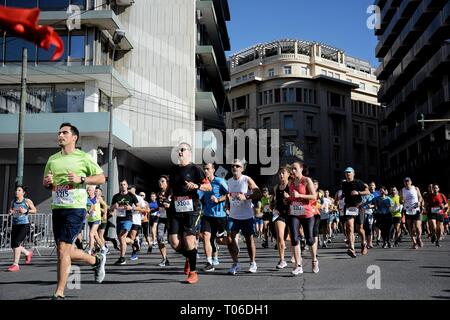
(209, 260)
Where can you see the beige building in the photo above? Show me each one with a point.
(323, 101)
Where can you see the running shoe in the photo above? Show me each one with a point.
(99, 269)
(351, 253)
(215, 261)
(14, 268)
(192, 277)
(134, 257)
(298, 270)
(55, 297)
(253, 267)
(315, 266)
(234, 268)
(120, 262)
(209, 267)
(282, 264)
(164, 263)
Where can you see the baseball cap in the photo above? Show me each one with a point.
(265, 189)
(407, 179)
(349, 169)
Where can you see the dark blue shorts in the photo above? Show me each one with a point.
(246, 226)
(67, 224)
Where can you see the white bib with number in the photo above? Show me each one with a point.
(121, 212)
(436, 210)
(63, 195)
(297, 209)
(184, 204)
(411, 212)
(276, 214)
(352, 211)
(368, 211)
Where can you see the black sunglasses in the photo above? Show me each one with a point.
(183, 149)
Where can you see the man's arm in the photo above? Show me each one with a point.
(256, 193)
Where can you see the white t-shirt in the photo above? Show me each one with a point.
(137, 217)
(239, 209)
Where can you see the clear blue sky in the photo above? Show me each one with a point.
(339, 23)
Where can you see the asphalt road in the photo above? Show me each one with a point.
(404, 274)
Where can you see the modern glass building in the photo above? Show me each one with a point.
(166, 73)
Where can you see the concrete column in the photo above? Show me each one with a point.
(91, 96)
(90, 145)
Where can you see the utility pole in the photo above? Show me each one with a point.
(22, 112)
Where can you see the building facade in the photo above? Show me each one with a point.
(323, 102)
(414, 53)
(166, 73)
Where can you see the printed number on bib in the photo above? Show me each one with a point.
(436, 210)
(352, 211)
(411, 212)
(184, 204)
(121, 212)
(63, 195)
(297, 209)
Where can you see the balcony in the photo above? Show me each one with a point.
(206, 106)
(239, 113)
(102, 19)
(209, 61)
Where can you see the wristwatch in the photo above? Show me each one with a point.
(83, 180)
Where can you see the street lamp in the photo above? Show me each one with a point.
(117, 37)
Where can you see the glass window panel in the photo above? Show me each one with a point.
(21, 3)
(53, 5)
(80, 3)
(14, 47)
(45, 55)
(77, 48)
(69, 98)
(288, 122)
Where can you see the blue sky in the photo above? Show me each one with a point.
(339, 23)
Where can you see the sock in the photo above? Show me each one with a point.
(192, 257)
(209, 260)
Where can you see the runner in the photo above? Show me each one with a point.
(122, 205)
(20, 208)
(154, 216)
(368, 207)
(186, 179)
(436, 206)
(140, 210)
(242, 190)
(145, 222)
(266, 199)
(352, 190)
(411, 199)
(383, 206)
(104, 212)
(280, 213)
(374, 225)
(259, 223)
(326, 204)
(66, 174)
(396, 212)
(301, 201)
(164, 200)
(214, 221)
(94, 219)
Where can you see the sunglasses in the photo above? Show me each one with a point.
(142, 195)
(183, 149)
(236, 166)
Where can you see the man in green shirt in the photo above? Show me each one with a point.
(66, 174)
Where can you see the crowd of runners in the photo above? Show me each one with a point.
(192, 205)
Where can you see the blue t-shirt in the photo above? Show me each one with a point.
(367, 200)
(219, 189)
(154, 208)
(20, 218)
(383, 205)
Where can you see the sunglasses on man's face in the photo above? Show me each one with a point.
(235, 166)
(142, 195)
(183, 149)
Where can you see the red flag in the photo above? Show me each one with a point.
(23, 23)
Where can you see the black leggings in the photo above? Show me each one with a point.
(308, 229)
(385, 225)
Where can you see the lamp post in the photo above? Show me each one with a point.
(117, 37)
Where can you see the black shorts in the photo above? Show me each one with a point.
(396, 220)
(136, 227)
(283, 218)
(184, 222)
(153, 219)
(214, 225)
(18, 233)
(359, 219)
(415, 217)
(102, 226)
(316, 225)
(267, 216)
(435, 216)
(145, 228)
(67, 224)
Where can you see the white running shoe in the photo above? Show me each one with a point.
(297, 271)
(282, 264)
(253, 267)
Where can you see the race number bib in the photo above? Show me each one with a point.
(297, 209)
(184, 204)
(16, 213)
(234, 201)
(63, 195)
(436, 210)
(121, 212)
(276, 214)
(368, 211)
(266, 208)
(352, 211)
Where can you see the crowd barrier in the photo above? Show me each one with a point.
(40, 235)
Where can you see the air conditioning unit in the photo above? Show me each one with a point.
(124, 2)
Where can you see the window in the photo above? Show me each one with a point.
(356, 131)
(374, 89)
(268, 97)
(310, 123)
(304, 71)
(337, 76)
(14, 47)
(244, 77)
(362, 86)
(69, 98)
(21, 3)
(271, 72)
(104, 101)
(238, 79)
(241, 102)
(330, 74)
(335, 100)
(287, 70)
(336, 153)
(298, 95)
(77, 45)
(251, 75)
(336, 127)
(277, 96)
(288, 122)
(288, 95)
(289, 149)
(53, 5)
(310, 149)
(266, 123)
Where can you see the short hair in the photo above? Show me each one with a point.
(123, 180)
(98, 188)
(24, 188)
(153, 193)
(73, 129)
(131, 186)
(286, 168)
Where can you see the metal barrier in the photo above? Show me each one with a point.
(40, 235)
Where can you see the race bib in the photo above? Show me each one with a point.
(184, 204)
(276, 214)
(297, 209)
(235, 202)
(436, 210)
(16, 213)
(266, 208)
(411, 212)
(352, 211)
(63, 195)
(121, 212)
